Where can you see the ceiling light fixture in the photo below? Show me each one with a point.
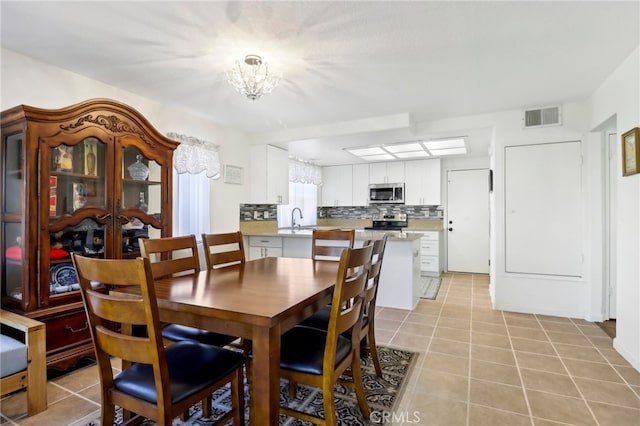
(252, 78)
(411, 150)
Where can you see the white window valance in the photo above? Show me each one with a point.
(194, 156)
(304, 172)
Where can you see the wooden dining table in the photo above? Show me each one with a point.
(258, 300)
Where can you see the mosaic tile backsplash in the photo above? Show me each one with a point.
(254, 212)
(367, 212)
(259, 212)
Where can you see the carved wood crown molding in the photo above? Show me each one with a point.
(111, 123)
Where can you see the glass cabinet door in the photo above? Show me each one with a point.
(141, 200)
(12, 223)
(77, 177)
(78, 213)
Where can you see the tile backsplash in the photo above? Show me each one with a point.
(258, 212)
(367, 212)
(264, 212)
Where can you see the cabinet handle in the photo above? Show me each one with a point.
(103, 217)
(74, 330)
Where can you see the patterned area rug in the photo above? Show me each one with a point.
(383, 394)
(430, 287)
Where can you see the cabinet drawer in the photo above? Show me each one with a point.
(265, 241)
(429, 247)
(429, 263)
(430, 236)
(67, 329)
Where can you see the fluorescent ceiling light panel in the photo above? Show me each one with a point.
(444, 144)
(409, 150)
(378, 157)
(405, 147)
(450, 151)
(412, 154)
(359, 152)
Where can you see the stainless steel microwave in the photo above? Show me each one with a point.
(386, 193)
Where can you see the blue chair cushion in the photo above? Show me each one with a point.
(179, 333)
(13, 356)
(192, 367)
(302, 349)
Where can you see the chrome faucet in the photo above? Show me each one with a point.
(293, 221)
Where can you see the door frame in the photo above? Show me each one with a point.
(448, 214)
(610, 141)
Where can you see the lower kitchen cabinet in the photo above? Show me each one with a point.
(264, 247)
(431, 253)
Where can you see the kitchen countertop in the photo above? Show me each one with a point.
(360, 234)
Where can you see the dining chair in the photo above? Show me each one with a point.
(23, 359)
(320, 319)
(223, 249)
(171, 256)
(328, 244)
(159, 383)
(319, 357)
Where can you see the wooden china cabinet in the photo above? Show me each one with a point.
(90, 179)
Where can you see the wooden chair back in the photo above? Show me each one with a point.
(105, 310)
(374, 273)
(145, 386)
(345, 318)
(223, 249)
(348, 297)
(329, 244)
(171, 255)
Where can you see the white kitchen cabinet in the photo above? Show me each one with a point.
(360, 184)
(269, 175)
(296, 247)
(337, 186)
(390, 172)
(431, 253)
(422, 182)
(264, 247)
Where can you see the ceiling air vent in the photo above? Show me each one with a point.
(546, 116)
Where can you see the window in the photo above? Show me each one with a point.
(304, 196)
(191, 204)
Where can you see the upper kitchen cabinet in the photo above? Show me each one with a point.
(269, 175)
(89, 179)
(422, 183)
(337, 186)
(360, 184)
(391, 172)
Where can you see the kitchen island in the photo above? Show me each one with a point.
(400, 283)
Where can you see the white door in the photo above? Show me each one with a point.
(467, 226)
(610, 246)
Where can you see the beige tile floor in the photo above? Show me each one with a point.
(476, 366)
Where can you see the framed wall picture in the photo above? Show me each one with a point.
(631, 152)
(233, 174)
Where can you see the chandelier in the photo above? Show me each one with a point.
(252, 78)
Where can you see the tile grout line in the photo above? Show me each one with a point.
(515, 358)
(607, 361)
(426, 351)
(586, 403)
(469, 354)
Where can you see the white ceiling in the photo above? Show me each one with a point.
(354, 73)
